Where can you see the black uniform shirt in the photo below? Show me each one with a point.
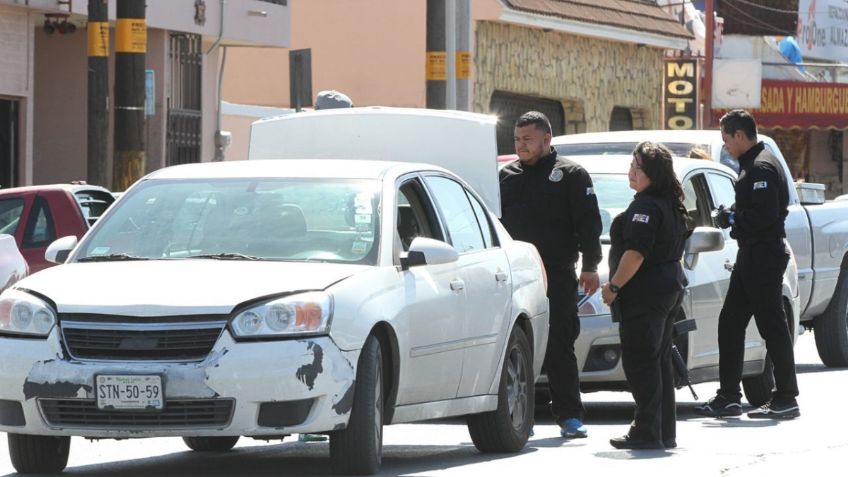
(552, 205)
(762, 197)
(650, 227)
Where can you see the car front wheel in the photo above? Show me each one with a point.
(39, 454)
(358, 449)
(211, 444)
(507, 428)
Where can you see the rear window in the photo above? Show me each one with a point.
(680, 149)
(93, 203)
(10, 215)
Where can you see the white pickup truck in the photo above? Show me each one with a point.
(817, 230)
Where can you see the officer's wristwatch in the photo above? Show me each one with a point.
(614, 288)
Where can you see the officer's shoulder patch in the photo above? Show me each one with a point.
(644, 218)
(590, 191)
(760, 185)
(556, 175)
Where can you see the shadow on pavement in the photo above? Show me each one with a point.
(294, 458)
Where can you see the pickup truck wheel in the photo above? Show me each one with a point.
(39, 454)
(507, 428)
(759, 389)
(358, 449)
(831, 328)
(211, 444)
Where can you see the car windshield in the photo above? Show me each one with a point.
(680, 149)
(10, 215)
(614, 195)
(241, 219)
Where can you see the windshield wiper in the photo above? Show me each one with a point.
(226, 256)
(114, 257)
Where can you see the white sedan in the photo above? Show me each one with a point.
(265, 298)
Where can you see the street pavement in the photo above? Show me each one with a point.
(814, 444)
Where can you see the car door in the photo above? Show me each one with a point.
(484, 270)
(709, 275)
(430, 324)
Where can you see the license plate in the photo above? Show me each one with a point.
(129, 392)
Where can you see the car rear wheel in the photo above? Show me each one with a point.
(831, 328)
(507, 428)
(39, 454)
(358, 449)
(211, 444)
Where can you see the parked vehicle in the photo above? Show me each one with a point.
(265, 298)
(817, 230)
(13, 267)
(37, 215)
(708, 261)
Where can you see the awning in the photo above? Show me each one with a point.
(793, 104)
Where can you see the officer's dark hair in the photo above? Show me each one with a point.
(739, 120)
(657, 164)
(536, 119)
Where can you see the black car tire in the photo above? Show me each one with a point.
(211, 443)
(39, 454)
(507, 428)
(831, 328)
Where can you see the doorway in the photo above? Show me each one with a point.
(8, 143)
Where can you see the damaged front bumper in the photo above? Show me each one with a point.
(240, 388)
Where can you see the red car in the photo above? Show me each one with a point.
(38, 215)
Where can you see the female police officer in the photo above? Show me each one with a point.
(646, 290)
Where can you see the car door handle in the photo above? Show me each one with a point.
(457, 285)
(501, 276)
(728, 265)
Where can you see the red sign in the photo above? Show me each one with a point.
(792, 104)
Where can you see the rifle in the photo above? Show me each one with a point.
(681, 328)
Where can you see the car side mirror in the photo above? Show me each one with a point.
(58, 251)
(703, 239)
(426, 251)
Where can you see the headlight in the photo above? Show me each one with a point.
(303, 314)
(594, 305)
(24, 314)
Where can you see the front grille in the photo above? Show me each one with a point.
(156, 341)
(176, 414)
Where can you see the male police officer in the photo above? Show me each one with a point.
(549, 201)
(756, 222)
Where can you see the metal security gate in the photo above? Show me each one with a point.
(621, 119)
(510, 106)
(184, 103)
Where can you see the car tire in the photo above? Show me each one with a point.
(358, 449)
(507, 428)
(759, 389)
(211, 443)
(39, 454)
(831, 328)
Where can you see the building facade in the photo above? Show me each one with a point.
(43, 80)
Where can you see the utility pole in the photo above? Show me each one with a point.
(436, 71)
(463, 55)
(98, 90)
(709, 46)
(130, 50)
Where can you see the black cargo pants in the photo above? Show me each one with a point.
(560, 361)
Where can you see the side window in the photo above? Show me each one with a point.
(10, 215)
(40, 230)
(723, 193)
(696, 200)
(482, 221)
(458, 214)
(415, 217)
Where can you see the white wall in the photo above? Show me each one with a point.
(16, 81)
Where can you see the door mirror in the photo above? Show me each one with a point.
(426, 251)
(58, 251)
(703, 239)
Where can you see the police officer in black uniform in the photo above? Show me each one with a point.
(646, 291)
(756, 221)
(550, 202)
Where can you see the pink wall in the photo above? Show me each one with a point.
(373, 51)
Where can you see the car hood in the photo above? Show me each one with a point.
(176, 287)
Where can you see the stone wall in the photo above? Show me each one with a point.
(589, 76)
